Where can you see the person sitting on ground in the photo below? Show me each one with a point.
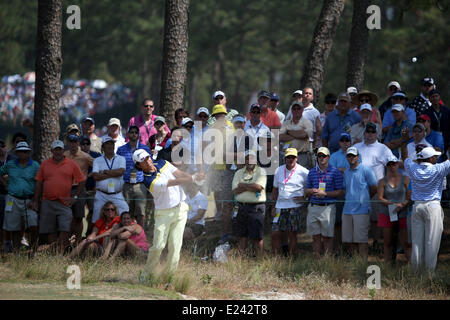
(128, 238)
(109, 217)
(198, 204)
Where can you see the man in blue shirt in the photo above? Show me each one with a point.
(324, 185)
(134, 191)
(432, 137)
(410, 115)
(21, 183)
(427, 222)
(360, 187)
(394, 136)
(339, 121)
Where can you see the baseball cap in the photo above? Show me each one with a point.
(57, 144)
(84, 139)
(204, 110)
(419, 125)
(73, 138)
(344, 96)
(427, 80)
(345, 135)
(398, 107)
(275, 96)
(323, 150)
(255, 105)
(140, 155)
(434, 91)
(392, 158)
(300, 92)
(22, 146)
(395, 84)
(371, 125)
(72, 126)
(249, 153)
(424, 117)
(238, 118)
(428, 152)
(352, 90)
(291, 152)
(88, 119)
(186, 121)
(218, 93)
(160, 119)
(297, 103)
(352, 150)
(218, 109)
(106, 139)
(113, 121)
(366, 106)
(399, 94)
(264, 93)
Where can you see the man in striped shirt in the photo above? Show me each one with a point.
(428, 216)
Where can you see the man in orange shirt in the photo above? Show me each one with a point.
(84, 161)
(54, 184)
(268, 117)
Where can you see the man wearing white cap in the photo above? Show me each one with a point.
(203, 116)
(164, 182)
(115, 132)
(54, 183)
(219, 97)
(88, 129)
(297, 96)
(396, 133)
(392, 88)
(21, 184)
(357, 130)
(361, 186)
(108, 171)
(428, 216)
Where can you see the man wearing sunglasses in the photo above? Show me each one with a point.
(324, 186)
(134, 191)
(268, 117)
(421, 103)
(219, 97)
(255, 127)
(409, 114)
(146, 121)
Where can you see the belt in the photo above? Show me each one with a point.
(109, 193)
(23, 198)
(321, 204)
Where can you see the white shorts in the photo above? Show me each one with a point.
(101, 198)
(320, 220)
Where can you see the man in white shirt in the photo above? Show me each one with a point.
(374, 155)
(289, 184)
(254, 127)
(108, 171)
(198, 204)
(115, 132)
(419, 132)
(312, 114)
(164, 182)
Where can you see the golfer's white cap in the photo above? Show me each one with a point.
(428, 152)
(140, 155)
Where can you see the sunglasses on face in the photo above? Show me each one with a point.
(110, 209)
(133, 132)
(148, 106)
(256, 112)
(350, 156)
(399, 98)
(322, 156)
(218, 98)
(345, 140)
(188, 127)
(417, 131)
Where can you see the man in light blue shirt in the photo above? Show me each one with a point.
(360, 186)
(427, 221)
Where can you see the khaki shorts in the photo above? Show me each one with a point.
(320, 220)
(136, 197)
(355, 228)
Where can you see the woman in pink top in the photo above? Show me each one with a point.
(146, 121)
(130, 239)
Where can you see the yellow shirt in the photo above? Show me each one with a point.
(258, 176)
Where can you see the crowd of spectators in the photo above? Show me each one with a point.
(78, 98)
(353, 175)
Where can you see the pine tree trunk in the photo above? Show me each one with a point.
(174, 66)
(321, 44)
(358, 44)
(48, 78)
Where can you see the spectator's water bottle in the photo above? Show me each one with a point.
(133, 176)
(258, 194)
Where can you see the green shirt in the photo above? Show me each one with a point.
(21, 179)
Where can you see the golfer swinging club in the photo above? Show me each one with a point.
(163, 180)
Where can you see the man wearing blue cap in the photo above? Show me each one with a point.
(421, 103)
(273, 104)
